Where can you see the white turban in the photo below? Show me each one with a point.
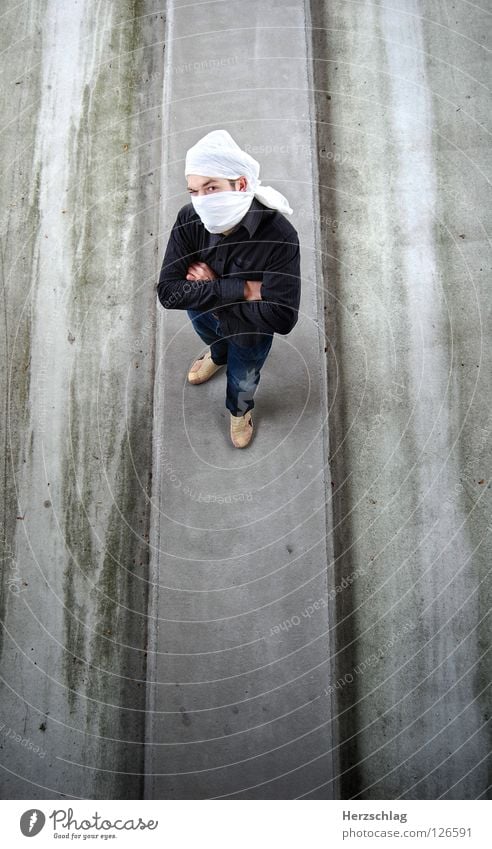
(218, 155)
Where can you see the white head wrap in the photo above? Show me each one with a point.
(218, 155)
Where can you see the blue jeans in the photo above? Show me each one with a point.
(243, 364)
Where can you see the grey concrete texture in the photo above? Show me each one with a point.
(402, 101)
(309, 617)
(80, 183)
(241, 546)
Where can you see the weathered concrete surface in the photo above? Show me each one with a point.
(402, 149)
(230, 704)
(80, 160)
(237, 704)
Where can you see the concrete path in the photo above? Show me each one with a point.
(241, 655)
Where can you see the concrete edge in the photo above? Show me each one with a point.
(158, 402)
(323, 384)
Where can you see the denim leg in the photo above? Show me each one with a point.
(243, 374)
(208, 329)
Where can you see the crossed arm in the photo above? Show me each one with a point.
(202, 271)
(269, 305)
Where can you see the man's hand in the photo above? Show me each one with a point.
(252, 290)
(200, 271)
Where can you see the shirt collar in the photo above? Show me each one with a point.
(250, 221)
(252, 218)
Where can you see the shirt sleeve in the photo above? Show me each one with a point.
(277, 312)
(175, 292)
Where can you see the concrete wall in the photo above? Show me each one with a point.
(142, 650)
(400, 103)
(80, 183)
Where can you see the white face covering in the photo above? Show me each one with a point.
(218, 155)
(221, 211)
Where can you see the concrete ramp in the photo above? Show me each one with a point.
(239, 650)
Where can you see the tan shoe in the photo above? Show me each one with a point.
(205, 370)
(241, 430)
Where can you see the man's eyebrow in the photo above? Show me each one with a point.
(203, 185)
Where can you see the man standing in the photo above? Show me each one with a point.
(233, 262)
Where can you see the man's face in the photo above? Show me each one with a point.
(199, 186)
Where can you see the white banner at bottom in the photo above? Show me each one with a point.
(222, 824)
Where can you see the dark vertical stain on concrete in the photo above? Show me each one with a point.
(120, 624)
(80, 568)
(348, 719)
(19, 185)
(116, 562)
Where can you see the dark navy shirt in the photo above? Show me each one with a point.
(264, 246)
